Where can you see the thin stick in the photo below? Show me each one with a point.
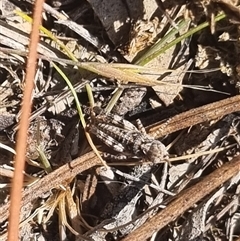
(24, 123)
(195, 116)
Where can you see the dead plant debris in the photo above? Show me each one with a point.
(187, 95)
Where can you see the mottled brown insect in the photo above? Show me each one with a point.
(123, 137)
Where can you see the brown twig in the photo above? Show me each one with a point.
(62, 175)
(24, 123)
(186, 199)
(195, 116)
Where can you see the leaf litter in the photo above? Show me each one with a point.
(91, 205)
